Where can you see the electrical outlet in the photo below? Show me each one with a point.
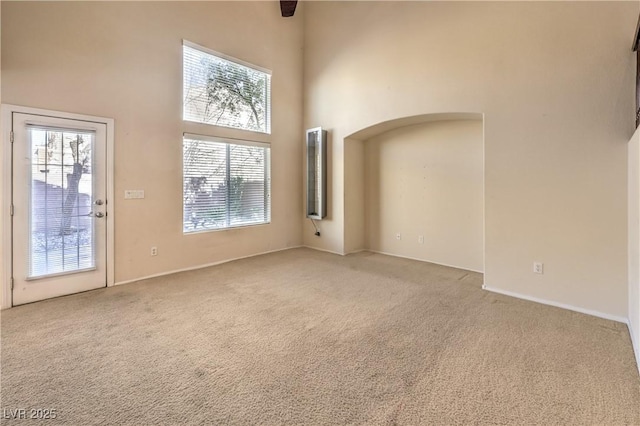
(398, 236)
(421, 239)
(538, 267)
(154, 251)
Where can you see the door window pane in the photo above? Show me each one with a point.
(61, 222)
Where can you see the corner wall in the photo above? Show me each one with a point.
(555, 83)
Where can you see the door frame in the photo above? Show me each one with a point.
(6, 183)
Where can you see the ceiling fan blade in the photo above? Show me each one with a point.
(288, 8)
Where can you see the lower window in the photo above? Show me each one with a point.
(226, 183)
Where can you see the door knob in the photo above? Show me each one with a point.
(99, 214)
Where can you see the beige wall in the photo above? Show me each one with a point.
(355, 196)
(634, 241)
(124, 60)
(555, 82)
(427, 180)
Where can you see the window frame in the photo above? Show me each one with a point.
(636, 48)
(266, 173)
(233, 60)
(638, 84)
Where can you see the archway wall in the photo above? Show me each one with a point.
(423, 183)
(555, 84)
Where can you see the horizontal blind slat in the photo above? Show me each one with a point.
(220, 194)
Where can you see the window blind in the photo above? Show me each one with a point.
(223, 91)
(61, 188)
(226, 183)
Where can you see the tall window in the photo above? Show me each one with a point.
(638, 81)
(636, 47)
(226, 183)
(222, 91)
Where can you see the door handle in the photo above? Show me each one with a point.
(99, 214)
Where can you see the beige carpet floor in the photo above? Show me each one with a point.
(305, 337)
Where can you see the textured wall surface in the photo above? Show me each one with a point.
(555, 84)
(123, 60)
(427, 181)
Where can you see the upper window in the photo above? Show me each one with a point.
(222, 91)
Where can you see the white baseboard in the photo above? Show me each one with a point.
(193, 268)
(393, 255)
(426, 260)
(324, 250)
(357, 251)
(557, 304)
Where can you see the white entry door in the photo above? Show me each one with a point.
(59, 207)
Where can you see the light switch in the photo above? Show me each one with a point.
(130, 194)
